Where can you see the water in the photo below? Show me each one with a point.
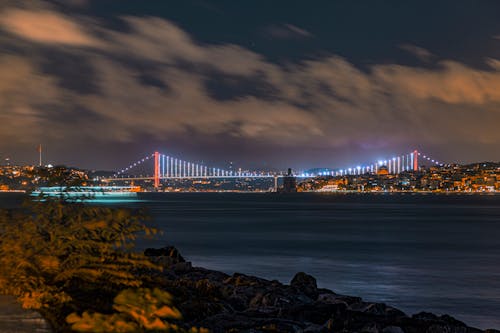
(13, 319)
(437, 253)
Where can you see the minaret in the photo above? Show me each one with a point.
(40, 155)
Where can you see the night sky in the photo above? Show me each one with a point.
(266, 84)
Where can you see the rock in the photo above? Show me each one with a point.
(336, 298)
(426, 316)
(306, 284)
(168, 257)
(245, 323)
(167, 251)
(238, 303)
(313, 329)
(444, 323)
(451, 321)
(244, 280)
(181, 266)
(243, 303)
(371, 328)
(316, 313)
(329, 299)
(379, 309)
(393, 329)
(446, 329)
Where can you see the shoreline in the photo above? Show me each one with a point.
(22, 193)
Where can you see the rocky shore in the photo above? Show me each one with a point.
(242, 303)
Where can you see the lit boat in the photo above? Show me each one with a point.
(89, 192)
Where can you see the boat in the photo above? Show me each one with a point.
(89, 192)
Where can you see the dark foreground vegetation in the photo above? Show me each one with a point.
(75, 265)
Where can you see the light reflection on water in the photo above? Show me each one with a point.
(13, 319)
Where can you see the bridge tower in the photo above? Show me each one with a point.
(415, 160)
(157, 170)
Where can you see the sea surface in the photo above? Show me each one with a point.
(417, 252)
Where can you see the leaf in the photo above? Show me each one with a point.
(168, 312)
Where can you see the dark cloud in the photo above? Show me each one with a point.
(222, 86)
(72, 70)
(72, 3)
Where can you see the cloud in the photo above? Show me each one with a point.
(286, 31)
(421, 53)
(73, 3)
(187, 105)
(325, 102)
(162, 41)
(23, 92)
(493, 63)
(45, 26)
(156, 39)
(451, 83)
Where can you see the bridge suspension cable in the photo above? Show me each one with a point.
(133, 165)
(395, 165)
(170, 167)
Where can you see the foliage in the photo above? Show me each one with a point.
(53, 252)
(138, 310)
(61, 256)
(59, 176)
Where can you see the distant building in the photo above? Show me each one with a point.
(289, 183)
(329, 188)
(383, 170)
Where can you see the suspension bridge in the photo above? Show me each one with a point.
(171, 168)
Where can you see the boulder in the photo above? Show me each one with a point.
(167, 251)
(243, 303)
(306, 284)
(393, 329)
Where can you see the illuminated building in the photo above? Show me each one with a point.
(383, 170)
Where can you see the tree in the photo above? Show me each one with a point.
(58, 257)
(137, 310)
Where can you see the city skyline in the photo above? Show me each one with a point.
(263, 85)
